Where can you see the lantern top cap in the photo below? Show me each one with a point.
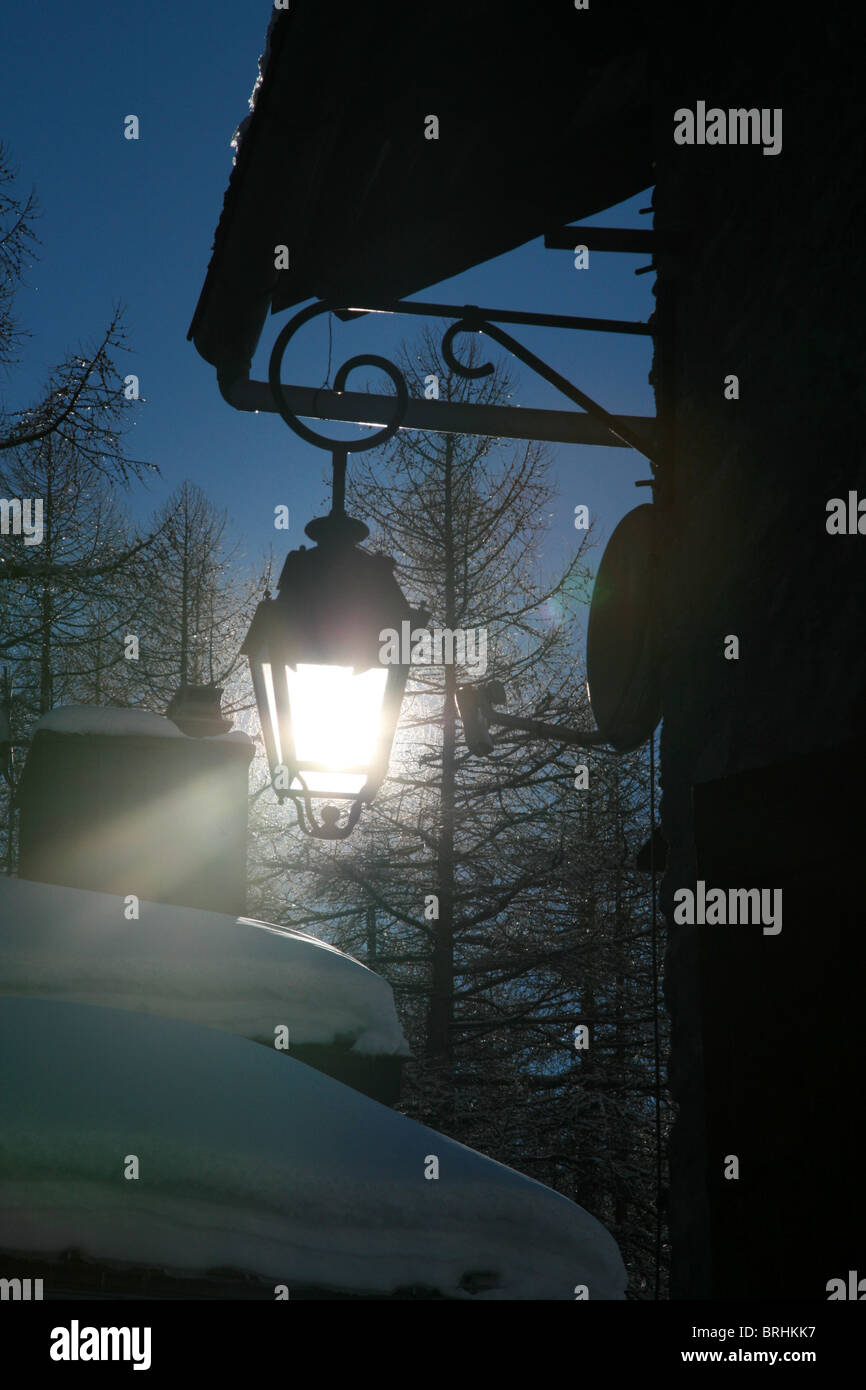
(334, 601)
(336, 529)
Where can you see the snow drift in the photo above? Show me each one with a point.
(231, 973)
(251, 1161)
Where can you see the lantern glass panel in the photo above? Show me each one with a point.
(270, 695)
(336, 715)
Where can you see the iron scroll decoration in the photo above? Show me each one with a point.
(321, 441)
(473, 321)
(464, 325)
(328, 828)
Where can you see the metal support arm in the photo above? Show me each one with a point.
(553, 733)
(476, 705)
(441, 417)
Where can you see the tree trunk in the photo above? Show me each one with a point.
(371, 936)
(184, 599)
(46, 610)
(441, 1010)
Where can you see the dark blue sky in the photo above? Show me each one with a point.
(134, 221)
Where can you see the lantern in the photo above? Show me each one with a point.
(327, 703)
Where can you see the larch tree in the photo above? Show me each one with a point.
(87, 400)
(54, 601)
(62, 599)
(190, 603)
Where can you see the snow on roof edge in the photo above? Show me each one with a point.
(116, 721)
(264, 59)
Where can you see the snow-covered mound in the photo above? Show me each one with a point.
(252, 1161)
(233, 973)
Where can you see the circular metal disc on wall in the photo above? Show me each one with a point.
(623, 679)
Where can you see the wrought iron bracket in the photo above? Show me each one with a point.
(468, 319)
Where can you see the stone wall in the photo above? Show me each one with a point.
(760, 274)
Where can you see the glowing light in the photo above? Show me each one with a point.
(335, 719)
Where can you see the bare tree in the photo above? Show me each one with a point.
(192, 602)
(85, 403)
(18, 241)
(84, 549)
